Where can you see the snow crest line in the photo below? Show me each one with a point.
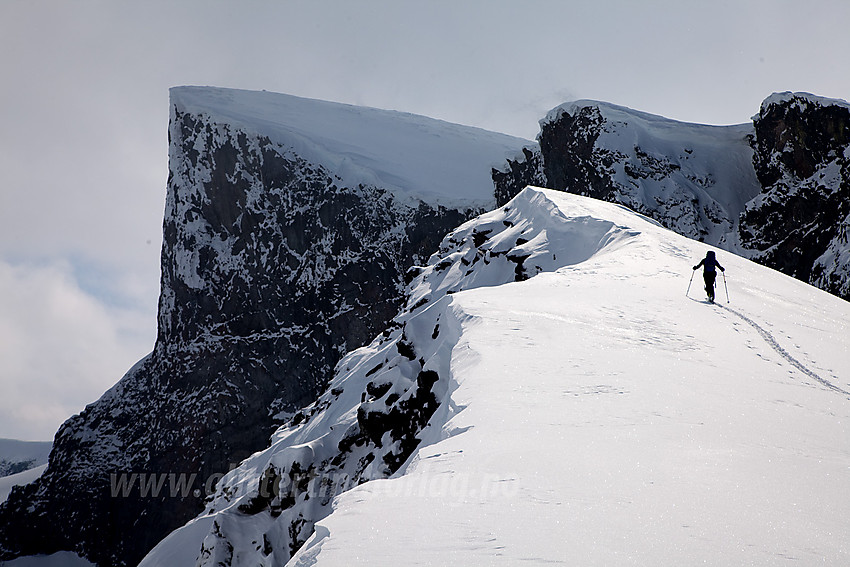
(774, 344)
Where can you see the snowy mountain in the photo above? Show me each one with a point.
(292, 228)
(694, 178)
(549, 393)
(21, 462)
(288, 229)
(19, 456)
(776, 190)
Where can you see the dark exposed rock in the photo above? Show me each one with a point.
(377, 391)
(405, 348)
(479, 238)
(569, 161)
(519, 271)
(799, 224)
(526, 169)
(667, 170)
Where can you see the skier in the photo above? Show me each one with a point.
(709, 273)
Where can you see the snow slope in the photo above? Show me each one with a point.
(424, 158)
(589, 415)
(19, 479)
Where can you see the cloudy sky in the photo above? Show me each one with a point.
(84, 103)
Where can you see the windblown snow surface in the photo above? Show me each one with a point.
(593, 414)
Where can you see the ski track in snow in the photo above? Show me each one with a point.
(774, 344)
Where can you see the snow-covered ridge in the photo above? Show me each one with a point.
(424, 158)
(615, 111)
(799, 99)
(393, 396)
(610, 419)
(289, 224)
(527, 236)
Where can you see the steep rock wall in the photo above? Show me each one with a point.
(799, 224)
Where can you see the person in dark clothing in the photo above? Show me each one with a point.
(709, 272)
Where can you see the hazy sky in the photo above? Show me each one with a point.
(84, 103)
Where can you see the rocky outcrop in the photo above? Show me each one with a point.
(799, 223)
(276, 261)
(517, 173)
(692, 178)
(775, 191)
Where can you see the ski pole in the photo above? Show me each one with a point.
(689, 283)
(726, 287)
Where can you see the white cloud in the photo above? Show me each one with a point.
(60, 347)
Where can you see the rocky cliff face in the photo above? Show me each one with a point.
(523, 170)
(799, 223)
(692, 178)
(775, 191)
(274, 265)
